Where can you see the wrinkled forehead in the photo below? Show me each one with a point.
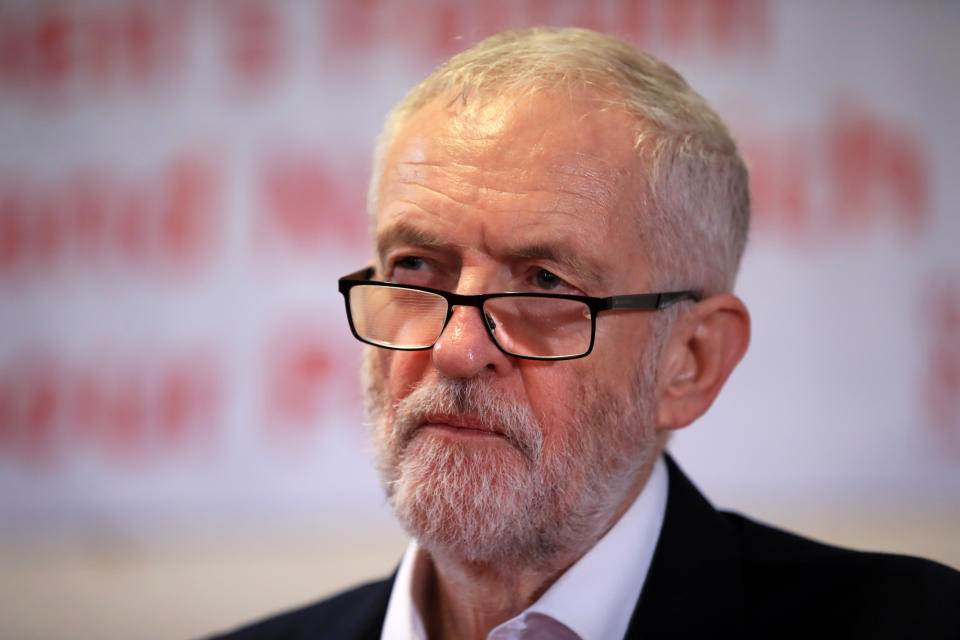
(552, 126)
(558, 141)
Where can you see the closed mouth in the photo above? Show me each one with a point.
(461, 423)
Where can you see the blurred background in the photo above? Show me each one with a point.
(182, 182)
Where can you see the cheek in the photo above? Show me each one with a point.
(621, 348)
(405, 370)
(579, 396)
(555, 392)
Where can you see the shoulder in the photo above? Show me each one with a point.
(820, 588)
(717, 574)
(354, 614)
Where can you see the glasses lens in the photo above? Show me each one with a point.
(541, 327)
(397, 317)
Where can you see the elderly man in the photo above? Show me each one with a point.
(558, 221)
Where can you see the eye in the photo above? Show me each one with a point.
(416, 270)
(412, 263)
(548, 281)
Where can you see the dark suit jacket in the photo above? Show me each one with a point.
(719, 575)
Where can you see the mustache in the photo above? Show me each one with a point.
(469, 397)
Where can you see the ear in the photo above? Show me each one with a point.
(704, 346)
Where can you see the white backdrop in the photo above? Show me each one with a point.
(181, 183)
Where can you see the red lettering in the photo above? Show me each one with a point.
(13, 50)
(352, 23)
(679, 22)
(88, 404)
(299, 193)
(633, 19)
(137, 409)
(308, 205)
(538, 11)
(53, 56)
(940, 396)
(80, 49)
(438, 36)
(125, 427)
(39, 380)
(188, 213)
(779, 187)
(46, 237)
(437, 29)
(11, 226)
(732, 22)
(300, 363)
(8, 413)
(176, 398)
(875, 166)
(794, 185)
(167, 221)
(187, 400)
(254, 34)
(763, 183)
(86, 194)
(101, 56)
(588, 17)
(722, 18)
(141, 38)
(493, 18)
(446, 32)
(310, 379)
(851, 174)
(132, 215)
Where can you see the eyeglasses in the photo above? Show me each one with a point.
(536, 326)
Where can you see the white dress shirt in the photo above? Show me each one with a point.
(592, 600)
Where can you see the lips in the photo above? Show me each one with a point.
(461, 422)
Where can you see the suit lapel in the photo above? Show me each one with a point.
(695, 584)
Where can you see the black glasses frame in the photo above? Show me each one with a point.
(636, 301)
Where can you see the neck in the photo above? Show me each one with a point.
(467, 600)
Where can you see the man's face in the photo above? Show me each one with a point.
(486, 454)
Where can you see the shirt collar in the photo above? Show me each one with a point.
(615, 569)
(403, 621)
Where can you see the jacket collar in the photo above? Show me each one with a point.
(695, 584)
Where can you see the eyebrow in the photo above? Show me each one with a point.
(404, 233)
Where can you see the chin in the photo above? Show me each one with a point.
(474, 501)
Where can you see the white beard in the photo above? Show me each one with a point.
(526, 503)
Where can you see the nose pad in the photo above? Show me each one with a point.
(489, 320)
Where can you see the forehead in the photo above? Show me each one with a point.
(571, 135)
(546, 167)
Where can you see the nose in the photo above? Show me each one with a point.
(465, 349)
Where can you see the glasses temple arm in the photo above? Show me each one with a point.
(650, 300)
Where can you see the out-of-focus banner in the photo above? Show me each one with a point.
(182, 182)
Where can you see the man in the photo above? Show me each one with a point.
(520, 435)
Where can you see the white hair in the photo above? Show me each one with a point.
(695, 218)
